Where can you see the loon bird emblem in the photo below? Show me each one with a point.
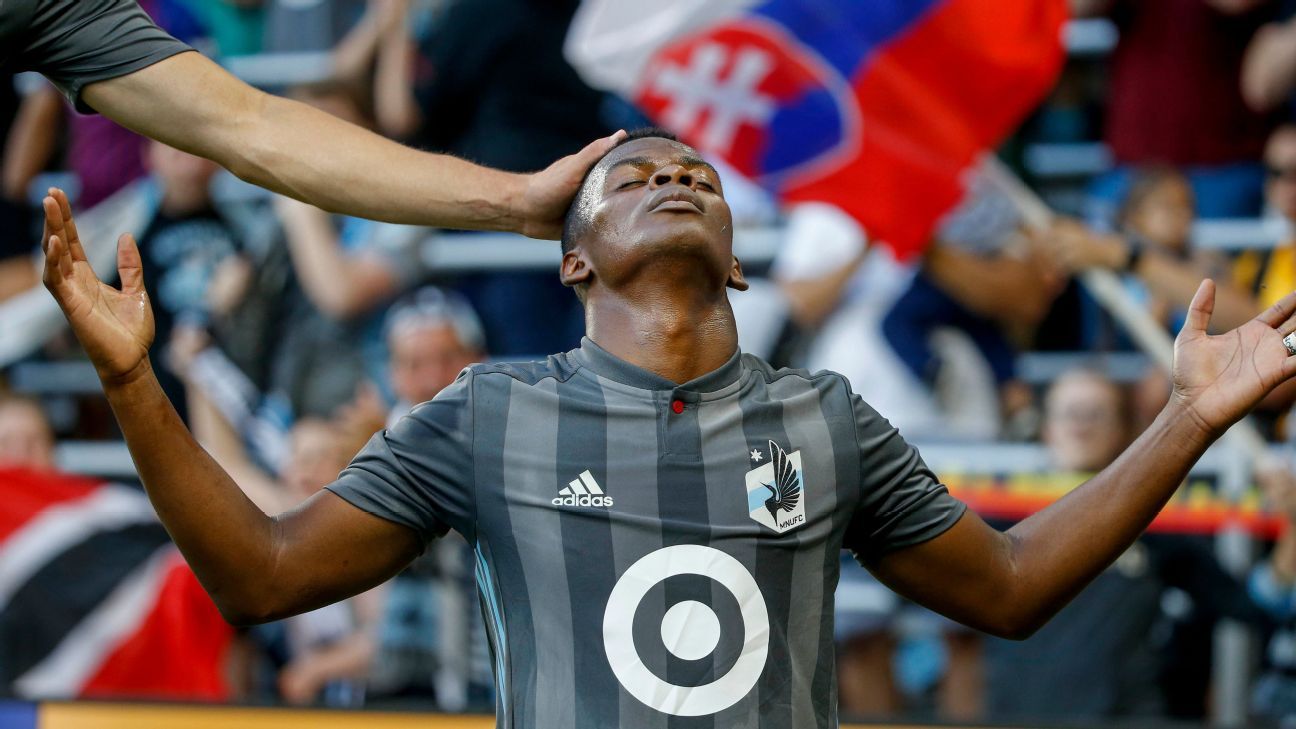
(775, 490)
(785, 492)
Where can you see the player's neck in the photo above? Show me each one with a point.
(680, 335)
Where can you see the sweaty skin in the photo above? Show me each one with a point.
(653, 266)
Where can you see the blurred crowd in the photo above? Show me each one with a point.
(286, 335)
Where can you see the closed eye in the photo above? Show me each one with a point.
(706, 186)
(630, 183)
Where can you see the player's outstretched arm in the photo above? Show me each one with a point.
(255, 567)
(189, 102)
(1010, 583)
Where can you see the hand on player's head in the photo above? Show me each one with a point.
(549, 192)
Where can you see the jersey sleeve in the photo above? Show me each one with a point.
(419, 473)
(78, 42)
(901, 502)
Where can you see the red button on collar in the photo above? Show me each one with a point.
(677, 406)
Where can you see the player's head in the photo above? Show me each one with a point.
(1160, 207)
(1086, 421)
(26, 438)
(318, 451)
(1280, 164)
(432, 334)
(648, 201)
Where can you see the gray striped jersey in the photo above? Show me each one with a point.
(651, 554)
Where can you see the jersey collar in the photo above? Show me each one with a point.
(605, 364)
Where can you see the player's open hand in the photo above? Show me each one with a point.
(1218, 379)
(549, 192)
(115, 326)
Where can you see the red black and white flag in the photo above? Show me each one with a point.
(95, 600)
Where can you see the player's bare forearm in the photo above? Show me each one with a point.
(226, 539)
(190, 103)
(1010, 583)
(315, 157)
(1058, 550)
(256, 567)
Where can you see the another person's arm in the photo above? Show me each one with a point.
(1005, 289)
(190, 103)
(1010, 583)
(349, 658)
(1272, 583)
(255, 567)
(1269, 66)
(1166, 277)
(396, 109)
(339, 284)
(32, 140)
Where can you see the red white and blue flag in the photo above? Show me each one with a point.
(876, 106)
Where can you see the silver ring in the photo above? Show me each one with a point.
(1289, 342)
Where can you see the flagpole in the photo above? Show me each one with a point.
(1107, 289)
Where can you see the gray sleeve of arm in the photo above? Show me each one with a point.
(419, 473)
(901, 502)
(79, 42)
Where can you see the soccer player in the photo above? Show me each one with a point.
(108, 56)
(657, 517)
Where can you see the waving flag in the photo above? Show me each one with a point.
(95, 601)
(876, 106)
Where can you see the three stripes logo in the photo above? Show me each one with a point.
(583, 491)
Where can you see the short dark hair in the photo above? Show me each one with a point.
(575, 224)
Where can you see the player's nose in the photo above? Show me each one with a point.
(673, 174)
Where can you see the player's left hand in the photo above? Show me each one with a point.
(1218, 379)
(549, 192)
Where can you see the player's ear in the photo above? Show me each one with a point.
(736, 280)
(575, 268)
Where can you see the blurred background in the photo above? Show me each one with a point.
(992, 227)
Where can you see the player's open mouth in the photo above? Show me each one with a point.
(680, 200)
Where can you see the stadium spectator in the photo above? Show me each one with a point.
(182, 247)
(838, 289)
(1269, 66)
(350, 269)
(1153, 246)
(304, 334)
(26, 438)
(1161, 270)
(986, 280)
(1181, 60)
(1267, 274)
(431, 642)
(235, 27)
(489, 83)
(1100, 657)
(17, 274)
(1271, 273)
(1272, 584)
(322, 656)
(877, 675)
(432, 335)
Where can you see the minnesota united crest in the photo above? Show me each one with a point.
(774, 490)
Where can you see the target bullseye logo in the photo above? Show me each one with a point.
(690, 630)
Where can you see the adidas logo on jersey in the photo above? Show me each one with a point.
(583, 491)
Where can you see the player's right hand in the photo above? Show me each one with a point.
(114, 326)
